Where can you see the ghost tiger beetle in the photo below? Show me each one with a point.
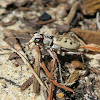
(55, 42)
(60, 43)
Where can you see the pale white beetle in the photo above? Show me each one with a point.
(55, 42)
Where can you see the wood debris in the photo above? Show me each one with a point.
(88, 36)
(72, 13)
(77, 64)
(97, 71)
(72, 78)
(91, 47)
(89, 7)
(36, 85)
(27, 83)
(11, 22)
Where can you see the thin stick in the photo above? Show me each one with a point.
(94, 70)
(59, 65)
(61, 86)
(50, 96)
(53, 67)
(83, 43)
(91, 47)
(54, 56)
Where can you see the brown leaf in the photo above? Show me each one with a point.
(73, 78)
(77, 64)
(88, 36)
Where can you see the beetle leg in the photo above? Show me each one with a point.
(54, 56)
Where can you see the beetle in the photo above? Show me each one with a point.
(55, 42)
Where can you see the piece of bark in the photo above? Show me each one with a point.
(27, 83)
(36, 85)
(77, 18)
(72, 13)
(89, 7)
(88, 36)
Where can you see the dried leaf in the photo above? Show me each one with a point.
(90, 7)
(88, 36)
(91, 47)
(73, 78)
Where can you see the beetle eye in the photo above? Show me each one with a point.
(51, 37)
(35, 32)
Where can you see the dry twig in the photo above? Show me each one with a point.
(72, 13)
(94, 70)
(91, 47)
(82, 42)
(50, 96)
(54, 82)
(54, 56)
(37, 70)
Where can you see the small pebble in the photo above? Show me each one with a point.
(45, 16)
